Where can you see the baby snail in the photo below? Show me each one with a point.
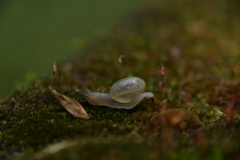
(125, 93)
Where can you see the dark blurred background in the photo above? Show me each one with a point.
(34, 34)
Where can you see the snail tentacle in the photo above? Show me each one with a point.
(82, 93)
(88, 90)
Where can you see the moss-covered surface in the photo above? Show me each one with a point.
(198, 43)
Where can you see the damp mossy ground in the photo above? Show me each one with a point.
(198, 43)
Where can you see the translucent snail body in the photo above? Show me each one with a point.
(125, 93)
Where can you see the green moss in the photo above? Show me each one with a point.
(198, 45)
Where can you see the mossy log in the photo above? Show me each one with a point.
(198, 44)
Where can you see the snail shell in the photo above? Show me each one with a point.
(124, 90)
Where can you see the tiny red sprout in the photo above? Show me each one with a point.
(235, 69)
(234, 105)
(164, 85)
(154, 100)
(161, 70)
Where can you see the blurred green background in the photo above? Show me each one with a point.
(34, 34)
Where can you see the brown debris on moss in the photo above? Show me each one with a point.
(70, 104)
(177, 118)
